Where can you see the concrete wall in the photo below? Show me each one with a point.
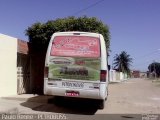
(121, 76)
(112, 75)
(8, 65)
(117, 76)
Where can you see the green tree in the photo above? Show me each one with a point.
(122, 62)
(40, 33)
(155, 67)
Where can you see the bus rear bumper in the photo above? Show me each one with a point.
(91, 94)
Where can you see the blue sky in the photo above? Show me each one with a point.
(134, 24)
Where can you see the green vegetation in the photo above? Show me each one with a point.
(40, 33)
(122, 62)
(155, 68)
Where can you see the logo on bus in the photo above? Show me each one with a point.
(63, 61)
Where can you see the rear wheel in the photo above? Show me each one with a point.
(101, 104)
(106, 95)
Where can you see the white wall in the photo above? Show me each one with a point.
(121, 76)
(112, 75)
(8, 65)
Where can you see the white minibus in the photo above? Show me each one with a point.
(76, 66)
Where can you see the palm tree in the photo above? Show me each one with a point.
(122, 62)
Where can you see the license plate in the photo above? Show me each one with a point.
(72, 84)
(72, 93)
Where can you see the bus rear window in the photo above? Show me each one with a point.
(76, 46)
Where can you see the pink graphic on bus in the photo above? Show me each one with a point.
(76, 46)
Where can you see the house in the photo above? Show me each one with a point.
(14, 66)
(135, 74)
(138, 74)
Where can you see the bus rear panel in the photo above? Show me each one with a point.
(76, 66)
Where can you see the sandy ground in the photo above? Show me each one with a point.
(134, 96)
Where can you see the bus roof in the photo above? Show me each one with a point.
(77, 33)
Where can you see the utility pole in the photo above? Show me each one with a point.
(150, 75)
(155, 69)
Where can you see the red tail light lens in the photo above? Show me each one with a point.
(46, 72)
(103, 75)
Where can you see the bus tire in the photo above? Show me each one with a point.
(101, 104)
(106, 95)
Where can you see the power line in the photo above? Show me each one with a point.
(90, 6)
(149, 54)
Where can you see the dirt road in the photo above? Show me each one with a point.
(134, 96)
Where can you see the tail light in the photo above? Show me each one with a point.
(46, 72)
(103, 75)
